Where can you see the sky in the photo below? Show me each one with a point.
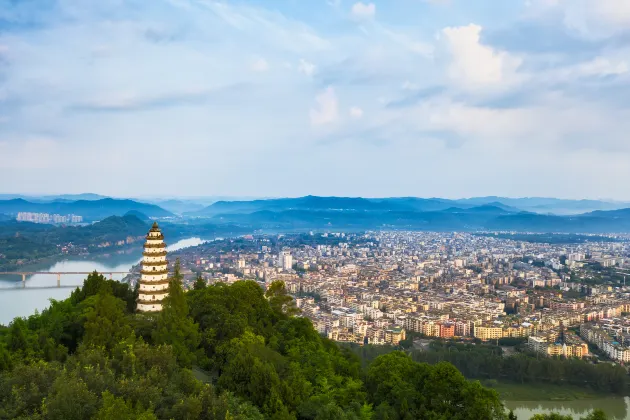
(428, 98)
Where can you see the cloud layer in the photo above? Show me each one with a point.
(411, 98)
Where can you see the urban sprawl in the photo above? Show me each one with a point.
(378, 287)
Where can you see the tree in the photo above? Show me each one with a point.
(279, 299)
(596, 415)
(70, 399)
(200, 283)
(114, 408)
(174, 326)
(106, 323)
(552, 416)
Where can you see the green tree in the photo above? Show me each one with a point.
(279, 299)
(106, 324)
(118, 409)
(174, 326)
(596, 415)
(552, 416)
(200, 283)
(70, 399)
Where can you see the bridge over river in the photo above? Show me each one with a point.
(59, 274)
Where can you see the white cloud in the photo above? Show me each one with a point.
(477, 66)
(589, 18)
(260, 65)
(356, 112)
(306, 67)
(326, 110)
(602, 66)
(363, 11)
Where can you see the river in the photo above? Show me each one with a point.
(17, 301)
(616, 408)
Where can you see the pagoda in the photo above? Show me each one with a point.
(154, 278)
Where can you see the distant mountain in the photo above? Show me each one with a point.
(75, 197)
(141, 216)
(547, 205)
(117, 227)
(529, 204)
(90, 210)
(179, 206)
(51, 198)
(324, 203)
(478, 218)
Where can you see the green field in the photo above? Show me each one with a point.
(541, 392)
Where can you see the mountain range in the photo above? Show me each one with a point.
(313, 212)
(91, 210)
(532, 204)
(410, 213)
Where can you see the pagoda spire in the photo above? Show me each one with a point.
(154, 273)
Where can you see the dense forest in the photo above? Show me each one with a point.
(215, 352)
(488, 362)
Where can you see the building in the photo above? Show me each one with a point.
(48, 218)
(394, 335)
(154, 274)
(285, 260)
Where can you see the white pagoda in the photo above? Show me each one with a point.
(154, 278)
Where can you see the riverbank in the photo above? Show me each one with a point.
(509, 391)
(16, 301)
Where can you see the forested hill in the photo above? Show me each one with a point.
(23, 242)
(91, 210)
(92, 357)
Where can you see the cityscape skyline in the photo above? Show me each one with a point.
(423, 98)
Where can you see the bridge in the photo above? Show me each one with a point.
(24, 274)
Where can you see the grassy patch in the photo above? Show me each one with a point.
(541, 392)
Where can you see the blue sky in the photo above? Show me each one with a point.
(449, 98)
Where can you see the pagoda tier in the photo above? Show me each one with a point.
(154, 273)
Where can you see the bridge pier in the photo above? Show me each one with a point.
(111, 276)
(58, 280)
(23, 279)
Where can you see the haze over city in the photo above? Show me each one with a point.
(288, 98)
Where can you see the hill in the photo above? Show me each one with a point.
(24, 242)
(179, 206)
(451, 219)
(495, 213)
(92, 357)
(533, 204)
(547, 205)
(91, 210)
(324, 204)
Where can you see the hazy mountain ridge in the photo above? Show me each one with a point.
(407, 213)
(534, 205)
(89, 209)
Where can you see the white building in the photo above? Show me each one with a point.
(154, 277)
(285, 260)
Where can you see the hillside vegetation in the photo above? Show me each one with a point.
(91, 356)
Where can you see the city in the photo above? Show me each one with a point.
(377, 287)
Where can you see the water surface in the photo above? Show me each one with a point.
(616, 408)
(18, 301)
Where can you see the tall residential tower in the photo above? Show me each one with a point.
(154, 278)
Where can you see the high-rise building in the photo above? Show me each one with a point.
(285, 260)
(154, 274)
